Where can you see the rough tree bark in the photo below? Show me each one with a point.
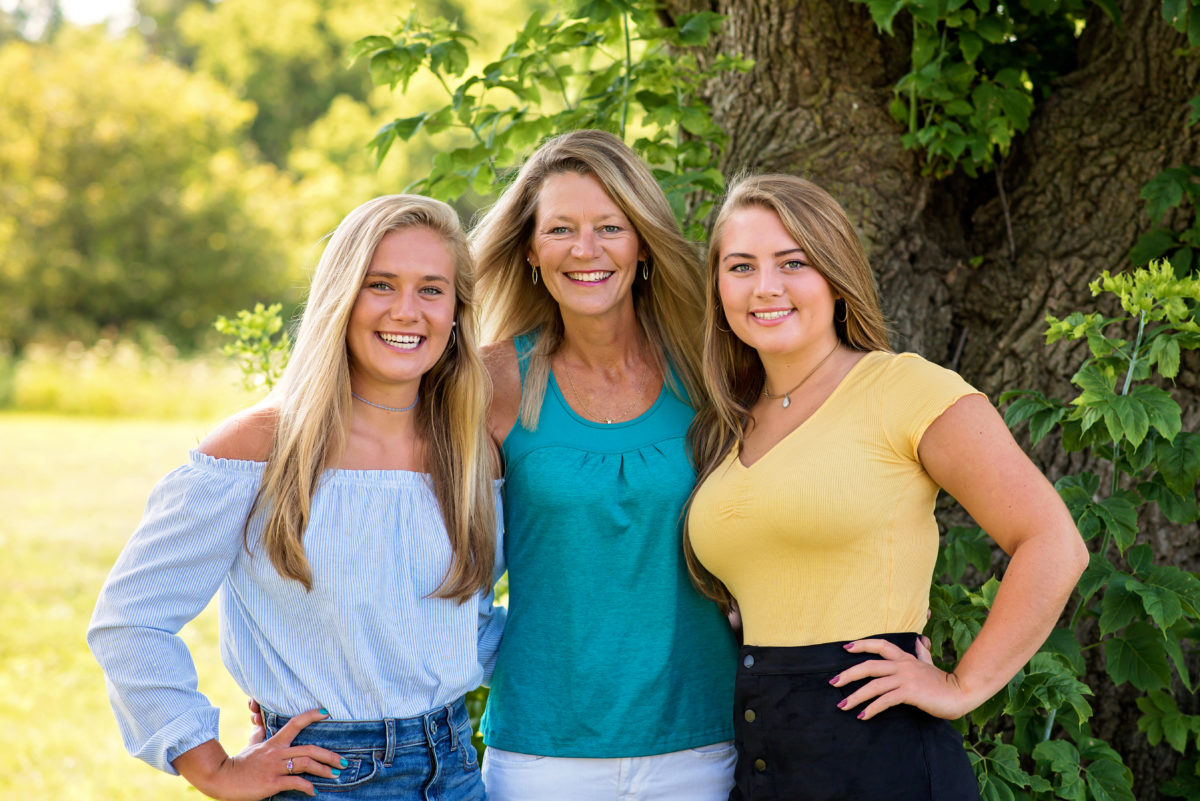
(815, 105)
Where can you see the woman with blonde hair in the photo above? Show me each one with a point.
(614, 678)
(349, 525)
(819, 461)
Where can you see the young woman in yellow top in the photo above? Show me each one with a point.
(819, 460)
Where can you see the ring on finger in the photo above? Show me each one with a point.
(289, 766)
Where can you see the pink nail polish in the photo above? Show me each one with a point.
(834, 680)
(848, 646)
(842, 705)
(861, 715)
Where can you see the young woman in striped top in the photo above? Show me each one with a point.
(349, 525)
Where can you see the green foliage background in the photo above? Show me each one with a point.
(153, 181)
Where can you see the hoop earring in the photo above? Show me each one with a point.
(645, 269)
(845, 312)
(453, 335)
(535, 271)
(722, 330)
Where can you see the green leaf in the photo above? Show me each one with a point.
(1161, 604)
(1120, 606)
(1137, 656)
(1065, 644)
(971, 44)
(369, 44)
(992, 28)
(1160, 409)
(1175, 652)
(694, 29)
(1140, 558)
(884, 11)
(1164, 192)
(1119, 515)
(1165, 352)
(1127, 419)
(1152, 246)
(963, 547)
(1179, 462)
(1182, 583)
(1109, 781)
(1177, 509)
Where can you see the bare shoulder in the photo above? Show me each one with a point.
(500, 359)
(246, 436)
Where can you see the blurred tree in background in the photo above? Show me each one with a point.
(126, 194)
(188, 166)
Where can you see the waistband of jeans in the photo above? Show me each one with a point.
(386, 734)
(818, 658)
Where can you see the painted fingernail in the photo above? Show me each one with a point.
(336, 772)
(862, 715)
(323, 711)
(834, 680)
(848, 646)
(345, 762)
(842, 703)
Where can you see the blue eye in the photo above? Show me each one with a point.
(558, 229)
(612, 229)
(432, 290)
(794, 264)
(380, 285)
(741, 268)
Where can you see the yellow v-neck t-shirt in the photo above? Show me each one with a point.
(830, 535)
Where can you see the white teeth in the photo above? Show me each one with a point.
(774, 315)
(401, 340)
(598, 275)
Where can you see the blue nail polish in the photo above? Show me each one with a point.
(345, 763)
(323, 711)
(336, 772)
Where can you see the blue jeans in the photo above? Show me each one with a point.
(425, 758)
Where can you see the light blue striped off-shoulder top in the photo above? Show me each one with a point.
(368, 642)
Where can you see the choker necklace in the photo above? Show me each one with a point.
(408, 408)
(788, 401)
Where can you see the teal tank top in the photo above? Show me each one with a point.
(608, 650)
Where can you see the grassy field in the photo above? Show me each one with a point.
(71, 491)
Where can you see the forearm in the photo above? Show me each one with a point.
(202, 765)
(1031, 597)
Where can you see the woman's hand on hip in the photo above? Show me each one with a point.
(901, 678)
(261, 769)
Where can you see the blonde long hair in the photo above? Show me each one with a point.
(733, 373)
(669, 306)
(313, 400)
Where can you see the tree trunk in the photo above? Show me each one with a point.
(815, 105)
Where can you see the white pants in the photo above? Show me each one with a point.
(694, 774)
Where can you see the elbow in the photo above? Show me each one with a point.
(1080, 557)
(1072, 555)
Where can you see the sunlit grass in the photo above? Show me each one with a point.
(121, 379)
(72, 490)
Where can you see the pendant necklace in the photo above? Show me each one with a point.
(627, 410)
(787, 401)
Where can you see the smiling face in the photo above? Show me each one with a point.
(774, 300)
(584, 246)
(401, 321)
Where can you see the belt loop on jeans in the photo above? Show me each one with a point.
(389, 726)
(450, 724)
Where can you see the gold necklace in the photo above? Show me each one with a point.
(625, 413)
(788, 401)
